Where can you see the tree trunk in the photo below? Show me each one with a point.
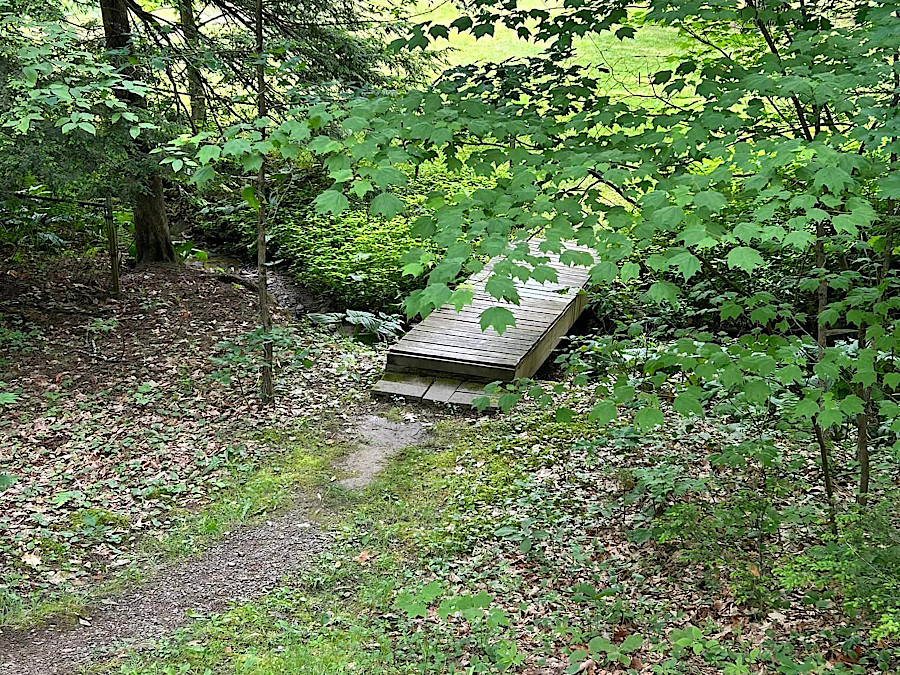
(117, 29)
(266, 387)
(151, 227)
(195, 80)
(822, 435)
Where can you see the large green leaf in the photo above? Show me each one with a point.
(686, 262)
(649, 417)
(603, 412)
(208, 153)
(498, 318)
(387, 205)
(331, 201)
(710, 199)
(663, 292)
(744, 258)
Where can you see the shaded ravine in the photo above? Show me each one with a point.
(240, 567)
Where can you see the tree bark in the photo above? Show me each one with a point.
(862, 447)
(117, 28)
(151, 226)
(195, 80)
(822, 436)
(266, 387)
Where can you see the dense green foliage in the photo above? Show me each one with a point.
(79, 118)
(353, 259)
(350, 261)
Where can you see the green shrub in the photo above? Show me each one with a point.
(863, 562)
(354, 259)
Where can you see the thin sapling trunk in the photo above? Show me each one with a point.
(266, 388)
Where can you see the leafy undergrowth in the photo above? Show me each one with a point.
(526, 545)
(122, 418)
(352, 260)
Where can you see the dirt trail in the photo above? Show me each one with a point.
(377, 439)
(242, 566)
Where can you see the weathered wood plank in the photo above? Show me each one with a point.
(538, 313)
(441, 390)
(460, 353)
(449, 331)
(402, 384)
(452, 335)
(473, 316)
(437, 367)
(532, 361)
(424, 342)
(451, 348)
(470, 387)
(535, 305)
(464, 397)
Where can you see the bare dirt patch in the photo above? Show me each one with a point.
(377, 439)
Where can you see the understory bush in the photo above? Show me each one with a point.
(355, 259)
(39, 227)
(751, 509)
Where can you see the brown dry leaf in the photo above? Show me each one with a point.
(32, 559)
(59, 577)
(363, 557)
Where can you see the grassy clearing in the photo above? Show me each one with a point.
(630, 62)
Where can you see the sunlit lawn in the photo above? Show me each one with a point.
(630, 62)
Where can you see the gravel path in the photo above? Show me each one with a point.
(241, 566)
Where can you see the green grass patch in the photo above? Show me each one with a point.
(314, 625)
(299, 464)
(629, 62)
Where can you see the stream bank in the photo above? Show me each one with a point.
(289, 295)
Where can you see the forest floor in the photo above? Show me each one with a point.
(162, 522)
(131, 439)
(240, 567)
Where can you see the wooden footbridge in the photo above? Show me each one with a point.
(447, 358)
